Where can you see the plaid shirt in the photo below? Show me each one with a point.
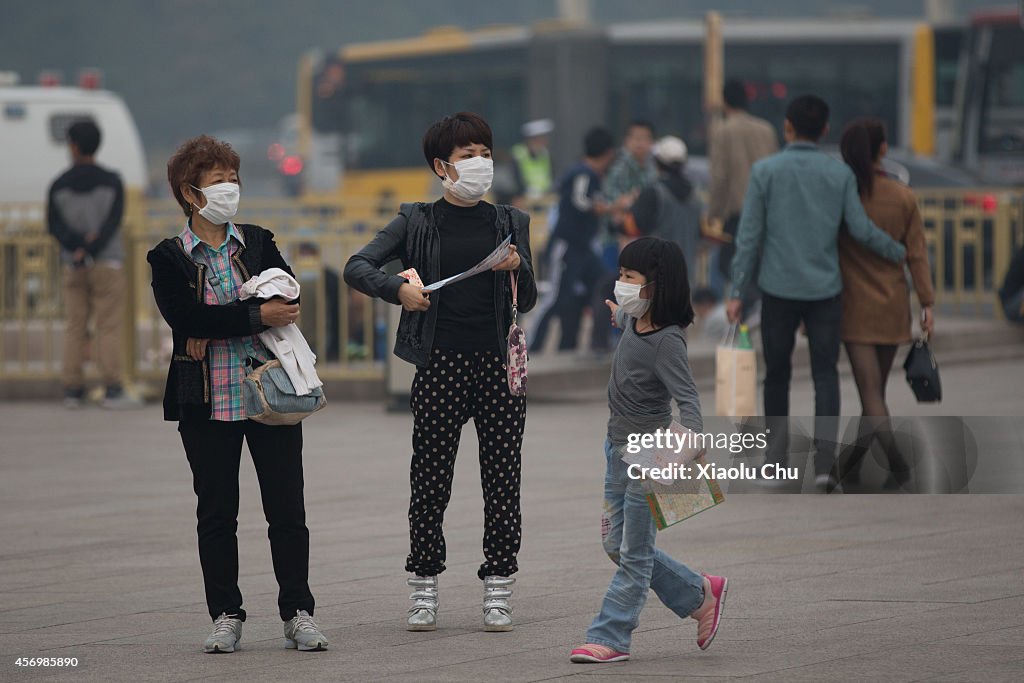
(227, 370)
(627, 175)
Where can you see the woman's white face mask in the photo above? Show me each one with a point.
(221, 202)
(627, 296)
(475, 177)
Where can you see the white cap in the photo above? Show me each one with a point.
(532, 129)
(670, 150)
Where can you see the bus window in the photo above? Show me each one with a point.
(390, 103)
(661, 84)
(855, 80)
(948, 41)
(1002, 123)
(328, 106)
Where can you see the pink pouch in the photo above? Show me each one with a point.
(517, 355)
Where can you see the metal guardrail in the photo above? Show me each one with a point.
(972, 234)
(971, 237)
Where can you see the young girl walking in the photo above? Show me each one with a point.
(649, 370)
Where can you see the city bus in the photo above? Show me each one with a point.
(362, 110)
(990, 99)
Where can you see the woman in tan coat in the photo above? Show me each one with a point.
(876, 301)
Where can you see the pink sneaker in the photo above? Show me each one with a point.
(597, 654)
(709, 614)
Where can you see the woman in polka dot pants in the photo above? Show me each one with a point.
(454, 387)
(456, 338)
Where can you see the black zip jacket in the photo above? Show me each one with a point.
(412, 238)
(179, 286)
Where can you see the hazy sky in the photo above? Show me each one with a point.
(186, 66)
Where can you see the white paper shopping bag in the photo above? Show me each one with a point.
(735, 379)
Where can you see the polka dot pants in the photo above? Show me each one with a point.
(454, 387)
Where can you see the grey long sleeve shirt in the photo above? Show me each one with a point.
(649, 371)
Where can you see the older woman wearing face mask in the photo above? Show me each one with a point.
(215, 345)
(456, 338)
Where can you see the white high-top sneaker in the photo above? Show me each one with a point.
(497, 610)
(423, 613)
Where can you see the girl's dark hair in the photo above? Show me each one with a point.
(861, 142)
(662, 262)
(458, 130)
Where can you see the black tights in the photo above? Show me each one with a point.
(871, 364)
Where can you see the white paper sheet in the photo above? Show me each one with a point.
(494, 258)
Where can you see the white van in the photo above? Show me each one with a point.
(33, 128)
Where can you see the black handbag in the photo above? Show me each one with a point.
(923, 372)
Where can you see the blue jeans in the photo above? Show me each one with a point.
(628, 533)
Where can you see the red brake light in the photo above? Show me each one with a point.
(986, 202)
(50, 79)
(90, 79)
(291, 165)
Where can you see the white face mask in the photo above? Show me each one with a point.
(221, 202)
(475, 176)
(627, 296)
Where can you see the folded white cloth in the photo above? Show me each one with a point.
(286, 343)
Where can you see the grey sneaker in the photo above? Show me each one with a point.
(302, 633)
(227, 632)
(121, 400)
(74, 398)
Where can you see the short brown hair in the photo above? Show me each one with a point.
(458, 130)
(194, 158)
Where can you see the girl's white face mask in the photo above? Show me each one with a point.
(627, 296)
(475, 176)
(221, 202)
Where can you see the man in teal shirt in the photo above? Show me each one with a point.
(795, 203)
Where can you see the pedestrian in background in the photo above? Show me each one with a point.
(668, 208)
(215, 346)
(533, 159)
(650, 370)
(632, 171)
(788, 233)
(634, 168)
(84, 209)
(736, 142)
(1011, 294)
(574, 263)
(876, 302)
(456, 339)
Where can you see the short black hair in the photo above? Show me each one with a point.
(640, 123)
(809, 116)
(458, 130)
(663, 263)
(85, 135)
(598, 141)
(735, 94)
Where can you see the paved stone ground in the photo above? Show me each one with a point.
(98, 561)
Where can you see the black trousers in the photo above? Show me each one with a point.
(780, 319)
(214, 451)
(454, 387)
(578, 272)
